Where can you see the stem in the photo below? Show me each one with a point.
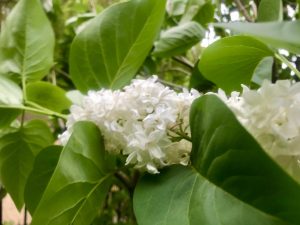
(126, 181)
(22, 118)
(183, 62)
(243, 10)
(288, 63)
(175, 86)
(25, 216)
(45, 111)
(30, 109)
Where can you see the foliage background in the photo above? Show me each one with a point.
(178, 57)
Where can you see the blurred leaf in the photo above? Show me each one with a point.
(176, 7)
(263, 70)
(270, 10)
(43, 168)
(10, 93)
(191, 9)
(231, 61)
(26, 42)
(276, 34)
(48, 95)
(199, 82)
(205, 14)
(113, 46)
(80, 182)
(178, 40)
(75, 97)
(7, 116)
(17, 153)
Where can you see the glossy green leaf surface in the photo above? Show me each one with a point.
(178, 39)
(182, 196)
(43, 168)
(231, 61)
(276, 34)
(48, 96)
(270, 10)
(113, 46)
(19, 149)
(228, 156)
(231, 179)
(26, 42)
(80, 182)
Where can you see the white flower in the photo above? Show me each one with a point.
(271, 115)
(142, 121)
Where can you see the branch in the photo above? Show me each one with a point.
(243, 10)
(183, 62)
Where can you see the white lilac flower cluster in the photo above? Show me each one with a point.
(145, 121)
(272, 115)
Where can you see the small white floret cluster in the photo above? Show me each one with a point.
(272, 115)
(145, 121)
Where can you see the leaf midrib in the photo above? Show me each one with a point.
(117, 74)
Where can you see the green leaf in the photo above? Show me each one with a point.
(78, 186)
(231, 61)
(198, 82)
(205, 14)
(228, 156)
(191, 9)
(263, 70)
(43, 168)
(179, 39)
(113, 46)
(270, 10)
(7, 116)
(176, 7)
(10, 96)
(26, 42)
(17, 153)
(276, 34)
(48, 95)
(10, 93)
(231, 179)
(182, 196)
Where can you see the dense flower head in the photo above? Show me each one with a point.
(271, 115)
(145, 121)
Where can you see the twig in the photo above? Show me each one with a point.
(243, 10)
(288, 63)
(169, 84)
(183, 62)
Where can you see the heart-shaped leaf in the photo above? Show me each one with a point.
(231, 179)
